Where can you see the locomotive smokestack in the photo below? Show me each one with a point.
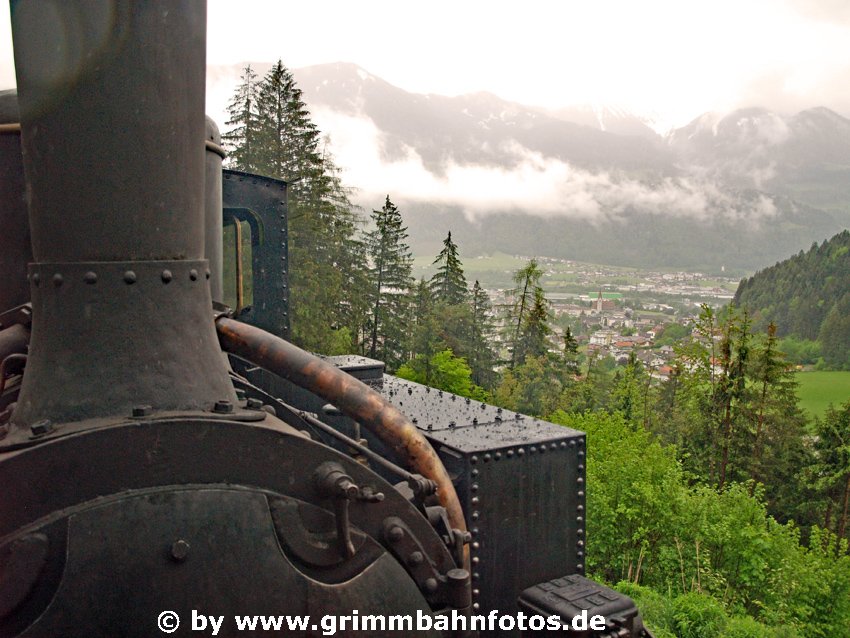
(111, 96)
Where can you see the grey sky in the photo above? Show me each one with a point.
(673, 59)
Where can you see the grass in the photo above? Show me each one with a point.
(818, 389)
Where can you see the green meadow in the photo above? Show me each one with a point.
(818, 389)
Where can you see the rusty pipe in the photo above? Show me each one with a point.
(353, 398)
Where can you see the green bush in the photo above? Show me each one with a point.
(746, 627)
(698, 616)
(656, 610)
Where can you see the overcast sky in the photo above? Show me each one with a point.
(674, 58)
(670, 58)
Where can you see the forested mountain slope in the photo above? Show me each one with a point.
(807, 296)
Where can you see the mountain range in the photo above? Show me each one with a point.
(738, 190)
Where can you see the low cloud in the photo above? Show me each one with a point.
(536, 185)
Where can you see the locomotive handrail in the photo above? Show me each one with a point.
(351, 396)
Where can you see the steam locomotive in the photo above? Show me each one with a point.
(167, 456)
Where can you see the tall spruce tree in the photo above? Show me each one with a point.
(325, 257)
(241, 138)
(448, 285)
(390, 283)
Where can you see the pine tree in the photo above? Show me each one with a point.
(326, 259)
(534, 334)
(240, 140)
(528, 282)
(482, 357)
(448, 285)
(390, 282)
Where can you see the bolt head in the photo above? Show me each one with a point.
(40, 428)
(142, 410)
(223, 407)
(180, 550)
(395, 534)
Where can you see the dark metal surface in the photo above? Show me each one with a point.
(15, 247)
(521, 484)
(161, 459)
(261, 201)
(126, 182)
(212, 207)
(110, 336)
(120, 294)
(351, 396)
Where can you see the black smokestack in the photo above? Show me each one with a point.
(111, 97)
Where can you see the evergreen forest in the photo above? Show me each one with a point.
(713, 499)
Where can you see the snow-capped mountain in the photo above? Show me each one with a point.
(589, 182)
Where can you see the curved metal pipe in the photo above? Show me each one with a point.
(14, 340)
(354, 398)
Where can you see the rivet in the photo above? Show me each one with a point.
(430, 585)
(579, 567)
(473, 459)
(554, 446)
(572, 443)
(474, 531)
(474, 472)
(510, 453)
(129, 277)
(562, 444)
(580, 493)
(223, 407)
(580, 543)
(166, 276)
(521, 452)
(580, 480)
(476, 576)
(532, 449)
(473, 487)
(475, 500)
(476, 545)
(57, 279)
(475, 516)
(180, 550)
(475, 560)
(580, 508)
(579, 519)
(36, 278)
(476, 593)
(90, 277)
(580, 554)
(193, 274)
(497, 455)
(476, 606)
(581, 466)
(486, 457)
(395, 534)
(416, 558)
(580, 454)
